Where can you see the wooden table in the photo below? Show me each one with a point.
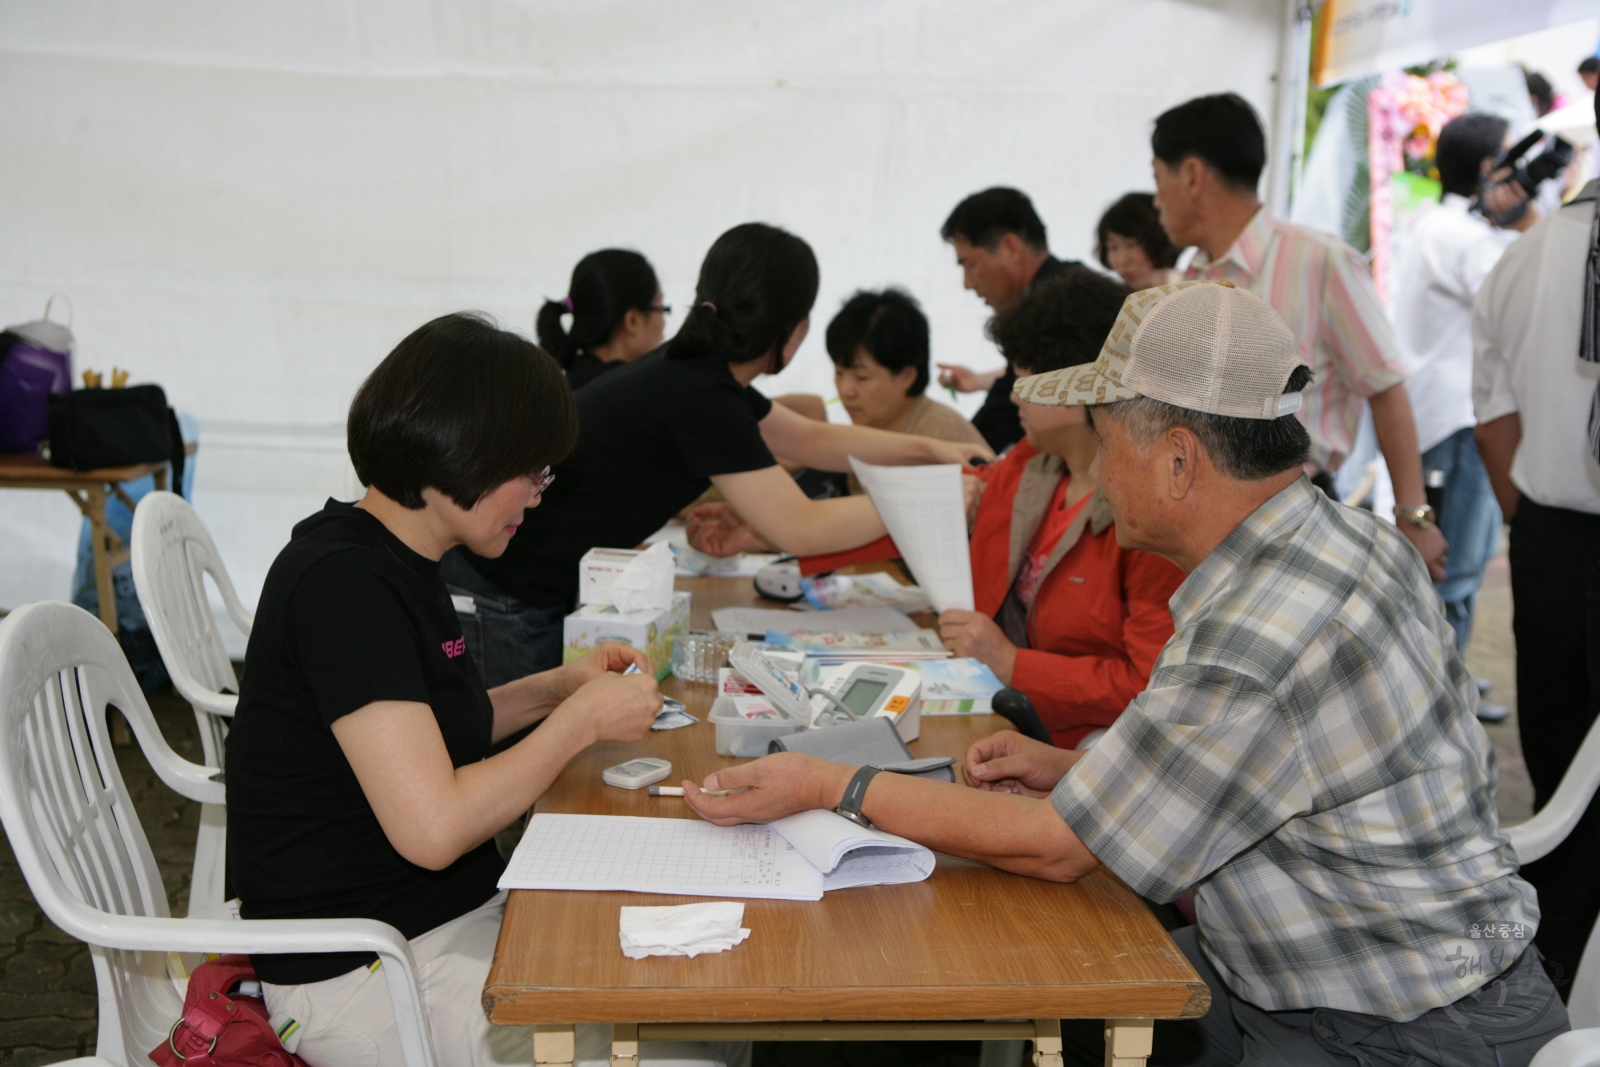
(972, 953)
(88, 490)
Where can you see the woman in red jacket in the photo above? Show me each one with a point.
(1064, 614)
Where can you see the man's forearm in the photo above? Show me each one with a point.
(1396, 430)
(1014, 833)
(1497, 446)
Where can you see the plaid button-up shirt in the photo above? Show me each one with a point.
(1325, 293)
(1307, 756)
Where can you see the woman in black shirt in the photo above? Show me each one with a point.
(655, 434)
(617, 315)
(360, 780)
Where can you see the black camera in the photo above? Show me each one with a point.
(1529, 176)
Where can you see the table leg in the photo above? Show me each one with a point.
(100, 540)
(1047, 1043)
(554, 1045)
(625, 1045)
(1128, 1041)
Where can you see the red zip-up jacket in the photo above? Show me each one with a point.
(1099, 615)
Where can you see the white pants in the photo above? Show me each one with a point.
(348, 1021)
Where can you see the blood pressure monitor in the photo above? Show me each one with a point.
(865, 690)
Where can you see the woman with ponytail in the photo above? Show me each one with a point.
(655, 434)
(617, 315)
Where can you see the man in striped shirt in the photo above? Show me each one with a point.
(1208, 158)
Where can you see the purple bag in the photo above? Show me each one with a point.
(35, 361)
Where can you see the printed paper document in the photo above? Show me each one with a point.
(925, 510)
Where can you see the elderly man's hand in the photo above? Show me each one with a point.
(973, 634)
(771, 787)
(1007, 762)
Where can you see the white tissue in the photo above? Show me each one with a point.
(684, 930)
(645, 584)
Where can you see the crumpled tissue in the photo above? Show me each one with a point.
(684, 930)
(645, 584)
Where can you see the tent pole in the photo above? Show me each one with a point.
(1287, 147)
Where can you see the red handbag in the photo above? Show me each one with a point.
(221, 1027)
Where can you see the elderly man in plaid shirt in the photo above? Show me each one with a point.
(1306, 755)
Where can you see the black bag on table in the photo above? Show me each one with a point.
(94, 428)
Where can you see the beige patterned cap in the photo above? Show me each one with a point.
(1202, 345)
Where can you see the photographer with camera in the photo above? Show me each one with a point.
(1535, 368)
(1446, 255)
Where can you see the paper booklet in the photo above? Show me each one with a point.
(797, 858)
(925, 510)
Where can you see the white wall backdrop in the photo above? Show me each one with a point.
(251, 203)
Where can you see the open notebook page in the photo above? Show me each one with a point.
(687, 856)
(925, 510)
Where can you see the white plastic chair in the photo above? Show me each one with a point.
(1579, 1048)
(172, 553)
(79, 844)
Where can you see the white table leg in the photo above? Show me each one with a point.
(1047, 1043)
(554, 1044)
(625, 1045)
(1128, 1042)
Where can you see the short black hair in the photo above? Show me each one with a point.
(1591, 65)
(1062, 323)
(757, 284)
(982, 219)
(1244, 449)
(892, 329)
(1134, 216)
(1464, 143)
(462, 406)
(1221, 131)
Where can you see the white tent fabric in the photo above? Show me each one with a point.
(251, 203)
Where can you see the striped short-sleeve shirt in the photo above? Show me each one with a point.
(1324, 292)
(1307, 757)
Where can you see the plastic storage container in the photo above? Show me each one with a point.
(738, 736)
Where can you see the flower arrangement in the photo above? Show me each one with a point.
(1404, 116)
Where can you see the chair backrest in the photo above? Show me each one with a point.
(66, 809)
(172, 553)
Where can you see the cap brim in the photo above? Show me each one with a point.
(1082, 385)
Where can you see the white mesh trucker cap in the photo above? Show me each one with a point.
(1201, 345)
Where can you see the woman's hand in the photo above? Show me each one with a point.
(973, 634)
(717, 530)
(611, 707)
(972, 488)
(965, 379)
(608, 657)
(1007, 762)
(771, 787)
(958, 452)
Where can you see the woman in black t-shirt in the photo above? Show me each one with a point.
(360, 780)
(617, 315)
(655, 434)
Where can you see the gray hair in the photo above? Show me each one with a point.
(1242, 449)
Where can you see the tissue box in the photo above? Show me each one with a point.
(651, 632)
(597, 569)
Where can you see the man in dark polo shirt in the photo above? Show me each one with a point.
(1000, 246)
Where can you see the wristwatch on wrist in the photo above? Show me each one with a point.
(1423, 516)
(854, 793)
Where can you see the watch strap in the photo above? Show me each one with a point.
(855, 793)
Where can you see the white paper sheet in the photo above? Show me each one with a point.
(847, 620)
(925, 510)
(850, 855)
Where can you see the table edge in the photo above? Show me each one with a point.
(521, 1005)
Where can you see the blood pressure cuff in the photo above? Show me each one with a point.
(866, 741)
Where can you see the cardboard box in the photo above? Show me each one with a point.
(651, 632)
(598, 568)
